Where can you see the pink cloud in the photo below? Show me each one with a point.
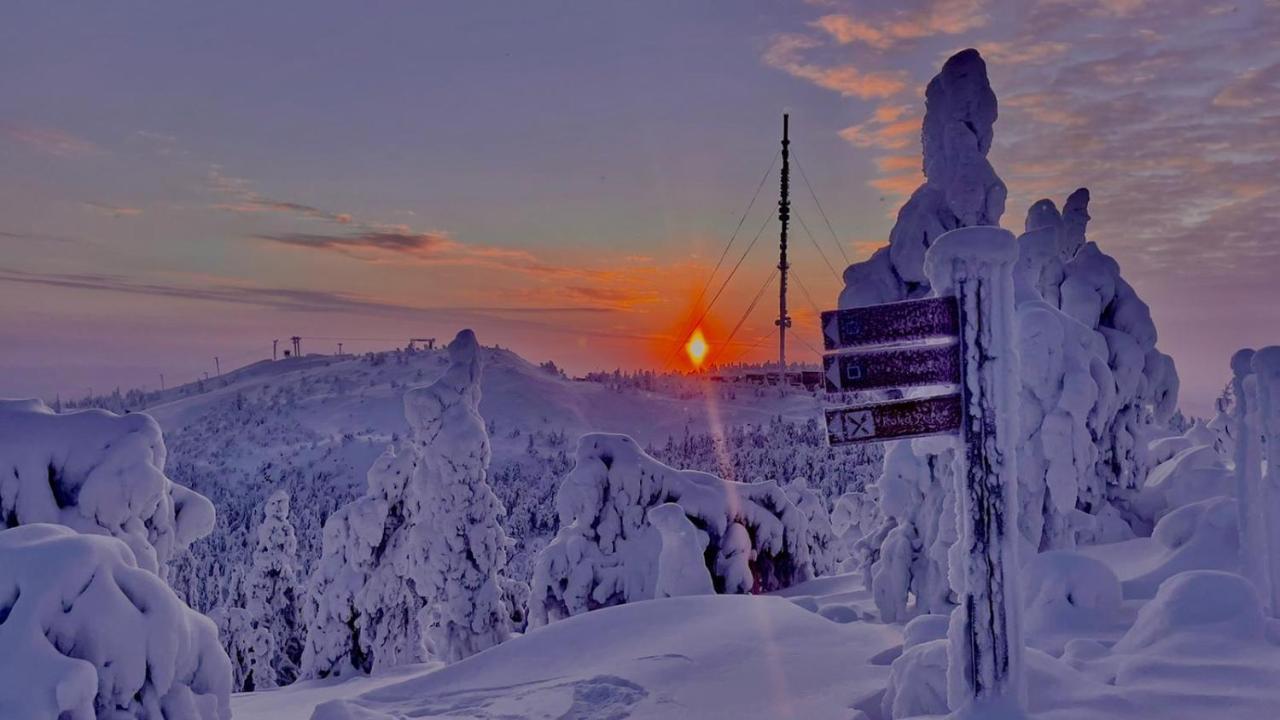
(937, 17)
(848, 80)
(49, 140)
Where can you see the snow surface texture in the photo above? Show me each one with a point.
(411, 570)
(706, 657)
(607, 553)
(1094, 388)
(89, 634)
(96, 472)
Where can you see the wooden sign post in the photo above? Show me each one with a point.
(961, 340)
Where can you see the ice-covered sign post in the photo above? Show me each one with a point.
(1266, 371)
(963, 337)
(1256, 418)
(1250, 492)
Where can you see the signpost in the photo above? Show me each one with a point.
(963, 340)
(899, 345)
(893, 368)
(891, 324)
(898, 420)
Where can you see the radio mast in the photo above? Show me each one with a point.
(784, 214)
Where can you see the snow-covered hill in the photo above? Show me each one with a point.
(314, 426)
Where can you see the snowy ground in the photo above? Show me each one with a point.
(817, 653)
(727, 656)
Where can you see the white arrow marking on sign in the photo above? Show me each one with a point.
(832, 329)
(833, 373)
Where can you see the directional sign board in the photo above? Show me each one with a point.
(893, 346)
(897, 420)
(893, 368)
(892, 323)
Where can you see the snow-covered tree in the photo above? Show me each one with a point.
(271, 592)
(413, 569)
(459, 531)
(607, 553)
(918, 515)
(96, 472)
(824, 551)
(259, 621)
(87, 633)
(1093, 384)
(362, 605)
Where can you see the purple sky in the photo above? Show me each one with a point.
(184, 180)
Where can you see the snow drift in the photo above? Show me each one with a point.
(87, 634)
(96, 472)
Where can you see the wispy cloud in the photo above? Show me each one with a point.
(399, 242)
(623, 296)
(786, 51)
(288, 299)
(380, 242)
(1166, 110)
(35, 237)
(240, 197)
(114, 211)
(49, 140)
(904, 22)
(891, 127)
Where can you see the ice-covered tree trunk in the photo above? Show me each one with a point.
(460, 533)
(985, 640)
(1250, 492)
(1266, 370)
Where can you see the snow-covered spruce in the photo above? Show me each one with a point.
(960, 187)
(87, 634)
(413, 569)
(96, 472)
(261, 626)
(607, 553)
(824, 549)
(1094, 388)
(457, 531)
(361, 610)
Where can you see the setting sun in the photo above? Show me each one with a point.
(696, 348)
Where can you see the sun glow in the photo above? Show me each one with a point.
(696, 348)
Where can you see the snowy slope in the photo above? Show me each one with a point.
(351, 395)
(695, 657)
(313, 426)
(1202, 651)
